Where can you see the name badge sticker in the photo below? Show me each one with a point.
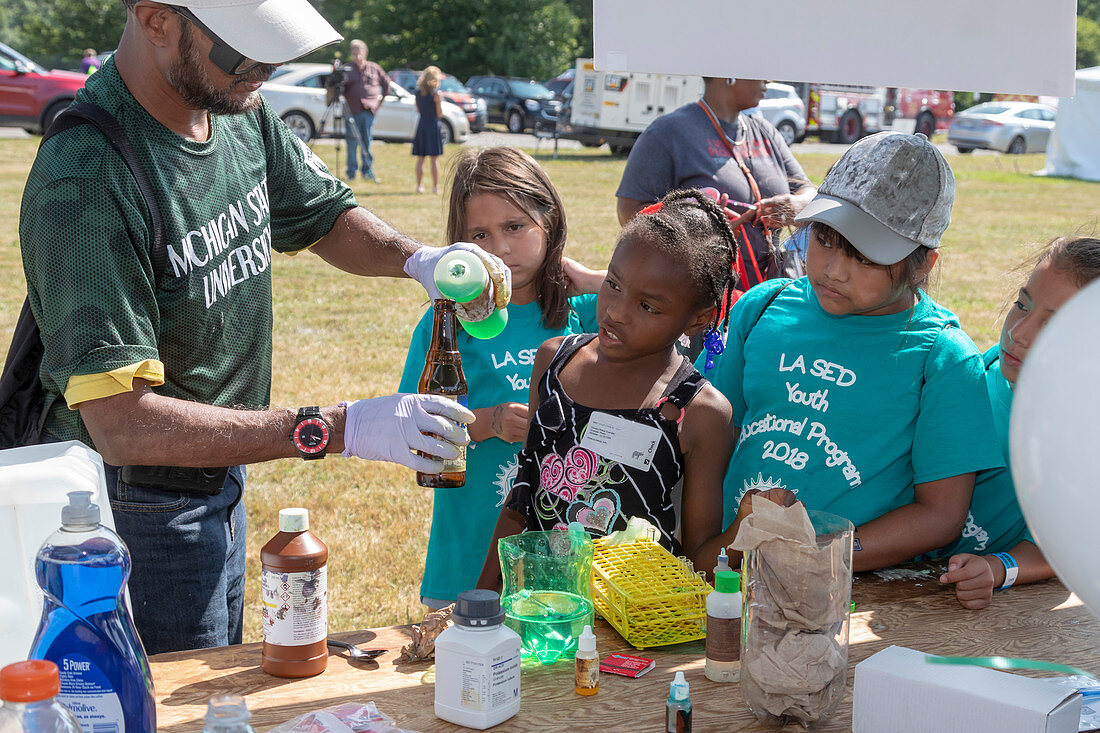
(621, 440)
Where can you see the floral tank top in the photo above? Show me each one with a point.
(561, 482)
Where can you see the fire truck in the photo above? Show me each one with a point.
(844, 113)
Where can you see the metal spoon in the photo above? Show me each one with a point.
(355, 652)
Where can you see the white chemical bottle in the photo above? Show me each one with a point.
(723, 661)
(477, 664)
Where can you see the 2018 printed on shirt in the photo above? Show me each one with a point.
(807, 382)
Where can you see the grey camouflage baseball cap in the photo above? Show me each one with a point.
(889, 194)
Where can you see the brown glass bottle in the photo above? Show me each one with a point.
(443, 375)
(294, 599)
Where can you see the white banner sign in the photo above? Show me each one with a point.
(1009, 46)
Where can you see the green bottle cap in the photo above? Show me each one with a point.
(727, 581)
(461, 276)
(488, 328)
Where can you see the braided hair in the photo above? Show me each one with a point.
(692, 228)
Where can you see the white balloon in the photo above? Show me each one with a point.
(1055, 453)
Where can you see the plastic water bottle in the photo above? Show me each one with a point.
(29, 691)
(227, 714)
(86, 629)
(462, 277)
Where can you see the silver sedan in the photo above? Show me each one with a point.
(1010, 127)
(297, 94)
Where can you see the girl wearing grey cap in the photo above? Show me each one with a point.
(853, 389)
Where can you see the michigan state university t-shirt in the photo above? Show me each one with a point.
(849, 412)
(995, 522)
(497, 370)
(204, 323)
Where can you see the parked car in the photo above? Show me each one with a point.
(452, 90)
(560, 83)
(782, 107)
(521, 104)
(298, 97)
(31, 96)
(1010, 127)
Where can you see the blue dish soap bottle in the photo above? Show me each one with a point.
(86, 628)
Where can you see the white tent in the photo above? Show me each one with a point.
(1074, 147)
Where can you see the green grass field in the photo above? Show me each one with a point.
(339, 337)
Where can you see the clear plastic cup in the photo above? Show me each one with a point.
(794, 648)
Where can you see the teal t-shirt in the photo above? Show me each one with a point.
(995, 522)
(850, 412)
(497, 370)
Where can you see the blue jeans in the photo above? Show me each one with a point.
(364, 123)
(187, 553)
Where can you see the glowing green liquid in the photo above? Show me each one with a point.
(549, 623)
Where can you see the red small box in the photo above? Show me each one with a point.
(626, 665)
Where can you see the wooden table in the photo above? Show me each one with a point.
(908, 608)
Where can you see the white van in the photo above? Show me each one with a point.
(614, 107)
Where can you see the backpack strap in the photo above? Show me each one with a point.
(682, 388)
(81, 113)
(766, 305)
(22, 410)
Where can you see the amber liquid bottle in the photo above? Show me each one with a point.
(294, 599)
(443, 375)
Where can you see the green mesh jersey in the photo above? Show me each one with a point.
(86, 239)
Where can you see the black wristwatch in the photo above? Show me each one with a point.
(311, 434)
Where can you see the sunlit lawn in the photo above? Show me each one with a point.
(339, 337)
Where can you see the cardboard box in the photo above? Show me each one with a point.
(898, 691)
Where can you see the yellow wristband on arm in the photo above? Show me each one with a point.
(84, 387)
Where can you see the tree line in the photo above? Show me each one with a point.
(528, 38)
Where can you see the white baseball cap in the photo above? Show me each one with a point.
(269, 31)
(889, 194)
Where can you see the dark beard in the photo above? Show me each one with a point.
(189, 78)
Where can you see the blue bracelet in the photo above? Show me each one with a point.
(1011, 568)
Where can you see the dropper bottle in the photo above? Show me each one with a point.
(678, 707)
(586, 670)
(723, 563)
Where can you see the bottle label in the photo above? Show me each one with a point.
(295, 607)
(457, 465)
(723, 639)
(87, 693)
(586, 673)
(489, 683)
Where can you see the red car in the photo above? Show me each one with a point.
(30, 96)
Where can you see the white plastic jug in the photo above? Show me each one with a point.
(34, 485)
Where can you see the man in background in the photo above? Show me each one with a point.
(365, 86)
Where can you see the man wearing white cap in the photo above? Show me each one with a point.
(163, 363)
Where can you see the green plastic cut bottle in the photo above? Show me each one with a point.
(462, 277)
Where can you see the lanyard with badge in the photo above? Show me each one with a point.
(756, 197)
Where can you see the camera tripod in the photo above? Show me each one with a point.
(339, 112)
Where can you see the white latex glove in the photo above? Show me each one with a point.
(421, 267)
(390, 428)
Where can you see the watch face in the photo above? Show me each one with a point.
(311, 436)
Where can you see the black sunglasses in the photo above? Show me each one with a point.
(223, 55)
